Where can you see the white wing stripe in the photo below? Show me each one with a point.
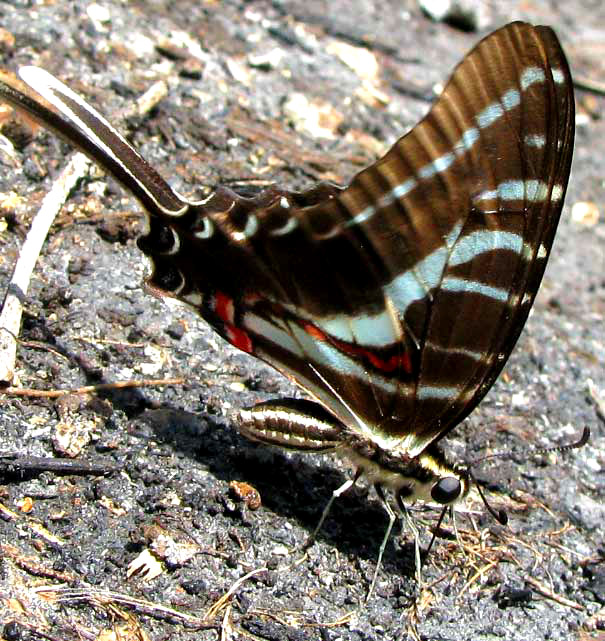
(466, 142)
(367, 330)
(415, 283)
(509, 100)
(428, 392)
(533, 191)
(451, 284)
(250, 228)
(489, 115)
(261, 327)
(532, 76)
(535, 140)
(558, 76)
(438, 165)
(479, 242)
(557, 193)
(458, 351)
(291, 225)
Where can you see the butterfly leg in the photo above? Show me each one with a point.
(385, 538)
(436, 529)
(458, 539)
(335, 494)
(414, 530)
(447, 509)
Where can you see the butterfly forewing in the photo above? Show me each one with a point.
(397, 300)
(516, 177)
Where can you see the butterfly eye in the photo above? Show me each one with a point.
(446, 490)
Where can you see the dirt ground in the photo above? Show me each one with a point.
(237, 74)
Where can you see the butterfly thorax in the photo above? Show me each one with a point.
(410, 478)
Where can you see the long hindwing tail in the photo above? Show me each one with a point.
(70, 117)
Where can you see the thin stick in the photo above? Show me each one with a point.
(297, 619)
(106, 598)
(588, 84)
(597, 398)
(153, 96)
(14, 464)
(33, 566)
(10, 317)
(226, 626)
(224, 600)
(89, 389)
(550, 594)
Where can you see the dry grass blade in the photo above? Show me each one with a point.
(224, 600)
(10, 317)
(107, 598)
(550, 594)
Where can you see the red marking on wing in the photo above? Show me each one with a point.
(223, 306)
(239, 338)
(315, 332)
(395, 362)
(390, 364)
(225, 309)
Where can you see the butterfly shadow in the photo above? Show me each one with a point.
(297, 487)
(294, 486)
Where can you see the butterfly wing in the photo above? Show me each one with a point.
(517, 95)
(397, 300)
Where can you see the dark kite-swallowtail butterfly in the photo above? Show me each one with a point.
(395, 301)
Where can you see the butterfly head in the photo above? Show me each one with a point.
(452, 482)
(447, 490)
(438, 480)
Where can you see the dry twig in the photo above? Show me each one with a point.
(588, 84)
(224, 600)
(553, 596)
(90, 389)
(32, 565)
(106, 598)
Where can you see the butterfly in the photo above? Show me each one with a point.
(394, 302)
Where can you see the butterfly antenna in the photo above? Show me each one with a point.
(500, 515)
(542, 450)
(569, 446)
